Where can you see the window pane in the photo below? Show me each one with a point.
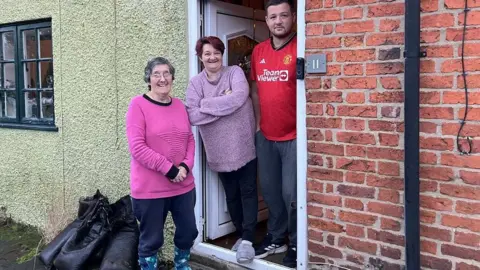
(2, 104)
(10, 100)
(46, 104)
(31, 104)
(46, 74)
(30, 75)
(9, 76)
(7, 46)
(29, 45)
(45, 37)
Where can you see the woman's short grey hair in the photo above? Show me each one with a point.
(155, 62)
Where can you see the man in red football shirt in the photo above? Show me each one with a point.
(273, 72)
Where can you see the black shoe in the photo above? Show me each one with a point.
(267, 247)
(290, 259)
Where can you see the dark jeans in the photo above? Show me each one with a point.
(242, 198)
(152, 213)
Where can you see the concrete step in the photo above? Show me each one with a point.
(213, 263)
(197, 266)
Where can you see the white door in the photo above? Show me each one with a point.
(234, 25)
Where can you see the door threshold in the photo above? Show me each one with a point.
(220, 256)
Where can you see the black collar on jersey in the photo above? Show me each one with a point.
(294, 34)
(156, 102)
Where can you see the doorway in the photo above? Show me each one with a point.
(241, 25)
(235, 26)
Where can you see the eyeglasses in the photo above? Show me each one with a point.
(165, 75)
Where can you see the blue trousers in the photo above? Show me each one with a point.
(152, 213)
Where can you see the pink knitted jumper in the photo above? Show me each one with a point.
(160, 140)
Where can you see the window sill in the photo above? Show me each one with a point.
(29, 127)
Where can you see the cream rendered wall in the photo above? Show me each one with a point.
(31, 164)
(100, 50)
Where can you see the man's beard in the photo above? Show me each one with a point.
(284, 35)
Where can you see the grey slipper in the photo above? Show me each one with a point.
(245, 252)
(235, 247)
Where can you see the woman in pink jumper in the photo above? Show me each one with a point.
(218, 103)
(162, 149)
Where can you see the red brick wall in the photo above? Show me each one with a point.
(355, 131)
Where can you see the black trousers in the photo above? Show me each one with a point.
(152, 213)
(242, 198)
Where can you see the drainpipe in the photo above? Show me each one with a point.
(412, 155)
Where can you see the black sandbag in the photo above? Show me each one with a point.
(122, 250)
(121, 215)
(121, 253)
(51, 251)
(86, 205)
(87, 240)
(97, 255)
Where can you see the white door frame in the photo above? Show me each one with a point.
(302, 156)
(194, 22)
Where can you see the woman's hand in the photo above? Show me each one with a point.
(182, 174)
(227, 92)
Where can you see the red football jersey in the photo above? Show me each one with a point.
(274, 71)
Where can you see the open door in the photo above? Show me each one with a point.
(235, 26)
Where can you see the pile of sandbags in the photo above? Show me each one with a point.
(103, 235)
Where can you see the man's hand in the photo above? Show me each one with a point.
(182, 174)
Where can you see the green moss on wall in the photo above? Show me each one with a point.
(100, 51)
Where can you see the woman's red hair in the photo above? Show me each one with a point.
(212, 40)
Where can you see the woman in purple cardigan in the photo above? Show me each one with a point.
(218, 103)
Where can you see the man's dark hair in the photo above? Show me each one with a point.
(278, 2)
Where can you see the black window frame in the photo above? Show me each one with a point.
(20, 121)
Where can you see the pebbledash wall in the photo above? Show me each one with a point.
(100, 49)
(355, 135)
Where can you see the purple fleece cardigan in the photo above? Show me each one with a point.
(226, 122)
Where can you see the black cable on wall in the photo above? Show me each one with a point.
(464, 75)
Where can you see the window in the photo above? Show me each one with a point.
(26, 76)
